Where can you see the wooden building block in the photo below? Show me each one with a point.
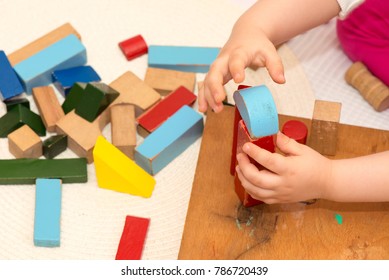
(10, 85)
(133, 47)
(369, 86)
(95, 99)
(42, 43)
(296, 130)
(258, 110)
(26, 171)
(47, 221)
(182, 58)
(25, 143)
(48, 106)
(134, 91)
(11, 103)
(73, 97)
(133, 238)
(66, 78)
(82, 135)
(164, 109)
(324, 128)
(165, 81)
(37, 70)
(115, 171)
(54, 145)
(123, 128)
(19, 116)
(169, 140)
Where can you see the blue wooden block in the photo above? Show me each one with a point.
(66, 78)
(37, 70)
(169, 140)
(188, 59)
(10, 85)
(47, 223)
(258, 110)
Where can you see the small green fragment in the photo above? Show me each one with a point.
(238, 224)
(339, 218)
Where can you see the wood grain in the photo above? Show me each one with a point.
(219, 227)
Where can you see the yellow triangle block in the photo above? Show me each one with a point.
(115, 171)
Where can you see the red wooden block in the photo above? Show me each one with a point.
(243, 137)
(133, 47)
(160, 112)
(133, 238)
(296, 130)
(237, 118)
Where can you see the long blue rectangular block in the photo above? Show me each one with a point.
(10, 85)
(47, 222)
(37, 70)
(169, 140)
(187, 59)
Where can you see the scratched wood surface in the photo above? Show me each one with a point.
(219, 227)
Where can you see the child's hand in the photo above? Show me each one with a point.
(244, 48)
(299, 175)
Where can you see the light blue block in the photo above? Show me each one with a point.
(37, 70)
(187, 59)
(258, 110)
(9, 83)
(169, 140)
(47, 221)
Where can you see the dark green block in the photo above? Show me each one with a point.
(11, 103)
(54, 145)
(25, 171)
(18, 116)
(73, 97)
(96, 98)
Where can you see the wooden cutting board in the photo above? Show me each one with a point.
(219, 227)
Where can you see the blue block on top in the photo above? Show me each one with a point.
(48, 196)
(169, 140)
(188, 59)
(37, 70)
(66, 78)
(10, 85)
(258, 110)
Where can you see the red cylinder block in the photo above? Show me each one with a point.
(296, 130)
(133, 47)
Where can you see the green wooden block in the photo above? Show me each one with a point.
(11, 103)
(96, 98)
(73, 97)
(55, 145)
(26, 171)
(18, 116)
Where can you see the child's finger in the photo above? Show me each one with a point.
(288, 146)
(237, 63)
(202, 100)
(274, 66)
(254, 190)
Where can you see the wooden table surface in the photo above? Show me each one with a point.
(219, 227)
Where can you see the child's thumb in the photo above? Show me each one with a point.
(287, 145)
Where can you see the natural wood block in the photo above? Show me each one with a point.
(369, 86)
(115, 171)
(47, 219)
(26, 171)
(10, 85)
(25, 143)
(82, 135)
(324, 128)
(54, 145)
(134, 91)
(48, 106)
(296, 130)
(42, 43)
(123, 128)
(11, 103)
(133, 238)
(133, 47)
(165, 81)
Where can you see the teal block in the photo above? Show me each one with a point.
(26, 171)
(73, 97)
(258, 110)
(169, 140)
(47, 221)
(187, 59)
(96, 98)
(19, 116)
(37, 70)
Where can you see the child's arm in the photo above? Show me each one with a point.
(304, 174)
(265, 24)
